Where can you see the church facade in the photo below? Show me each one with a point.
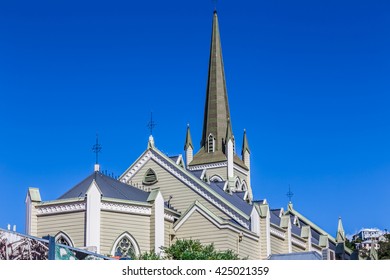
(204, 195)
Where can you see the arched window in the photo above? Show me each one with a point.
(150, 177)
(125, 246)
(238, 185)
(211, 143)
(63, 238)
(244, 187)
(216, 178)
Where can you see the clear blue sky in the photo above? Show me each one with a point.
(309, 80)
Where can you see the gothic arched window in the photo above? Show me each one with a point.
(63, 238)
(125, 246)
(210, 143)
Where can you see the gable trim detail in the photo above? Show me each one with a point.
(187, 178)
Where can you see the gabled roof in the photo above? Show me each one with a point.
(231, 205)
(109, 187)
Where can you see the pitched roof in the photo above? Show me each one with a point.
(109, 187)
(232, 198)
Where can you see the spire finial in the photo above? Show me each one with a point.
(215, 6)
(97, 149)
(151, 124)
(290, 194)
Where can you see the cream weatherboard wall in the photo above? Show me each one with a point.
(115, 224)
(72, 224)
(198, 227)
(182, 196)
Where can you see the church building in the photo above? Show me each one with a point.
(205, 194)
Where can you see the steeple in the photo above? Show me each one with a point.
(216, 113)
(188, 147)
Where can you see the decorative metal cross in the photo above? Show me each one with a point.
(97, 148)
(289, 194)
(151, 124)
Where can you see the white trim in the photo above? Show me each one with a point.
(180, 159)
(92, 231)
(65, 236)
(28, 203)
(125, 208)
(255, 221)
(129, 174)
(203, 175)
(230, 162)
(268, 231)
(298, 242)
(215, 176)
(244, 185)
(199, 191)
(211, 137)
(159, 223)
(277, 232)
(315, 249)
(62, 208)
(169, 217)
(132, 240)
(212, 220)
(242, 170)
(226, 186)
(173, 170)
(207, 166)
(237, 180)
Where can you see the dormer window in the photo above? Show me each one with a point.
(150, 177)
(211, 143)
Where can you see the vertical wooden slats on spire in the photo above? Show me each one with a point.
(217, 113)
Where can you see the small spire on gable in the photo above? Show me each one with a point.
(188, 142)
(245, 146)
(340, 232)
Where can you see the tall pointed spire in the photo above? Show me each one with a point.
(217, 113)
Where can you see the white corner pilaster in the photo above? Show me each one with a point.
(230, 163)
(33, 197)
(92, 233)
(255, 221)
(159, 223)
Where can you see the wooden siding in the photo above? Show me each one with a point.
(197, 227)
(115, 224)
(297, 249)
(152, 227)
(73, 224)
(182, 196)
(277, 246)
(220, 171)
(167, 230)
(263, 238)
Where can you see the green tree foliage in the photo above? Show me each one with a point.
(188, 249)
(384, 248)
(148, 256)
(350, 244)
